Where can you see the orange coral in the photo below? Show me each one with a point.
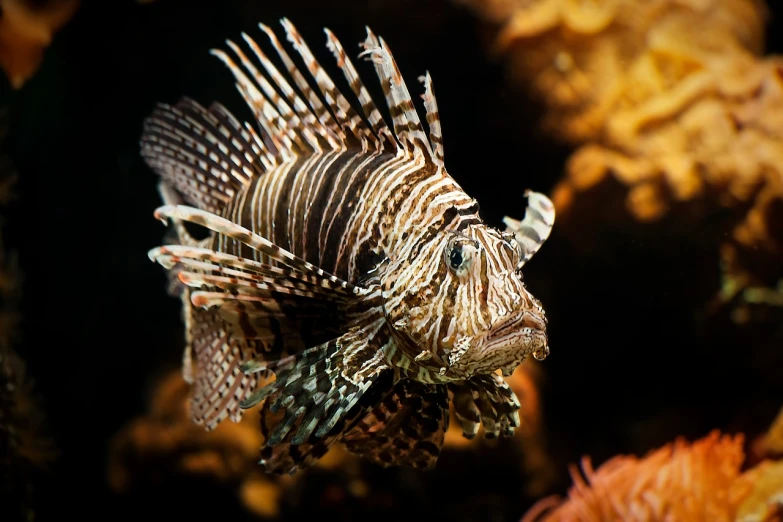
(680, 118)
(681, 481)
(26, 31)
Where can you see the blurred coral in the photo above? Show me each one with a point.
(770, 445)
(685, 122)
(165, 448)
(26, 30)
(764, 500)
(166, 445)
(681, 481)
(617, 66)
(25, 446)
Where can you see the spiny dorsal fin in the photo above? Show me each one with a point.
(321, 112)
(369, 108)
(311, 127)
(405, 119)
(294, 124)
(293, 128)
(275, 127)
(348, 119)
(433, 119)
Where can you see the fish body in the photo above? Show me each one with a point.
(343, 259)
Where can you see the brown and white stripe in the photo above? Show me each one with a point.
(343, 258)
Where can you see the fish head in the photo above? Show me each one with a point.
(462, 307)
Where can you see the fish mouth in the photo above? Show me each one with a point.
(522, 332)
(514, 323)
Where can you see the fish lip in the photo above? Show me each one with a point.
(521, 331)
(512, 323)
(536, 339)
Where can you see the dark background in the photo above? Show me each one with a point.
(634, 360)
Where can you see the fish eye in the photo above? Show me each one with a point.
(455, 258)
(459, 254)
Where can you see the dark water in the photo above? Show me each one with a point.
(634, 361)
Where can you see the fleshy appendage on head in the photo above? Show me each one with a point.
(459, 304)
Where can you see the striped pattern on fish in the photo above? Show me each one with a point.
(343, 259)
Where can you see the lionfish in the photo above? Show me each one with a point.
(347, 281)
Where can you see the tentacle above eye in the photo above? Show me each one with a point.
(534, 229)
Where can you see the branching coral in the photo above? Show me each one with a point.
(686, 121)
(681, 481)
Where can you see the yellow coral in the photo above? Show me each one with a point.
(765, 483)
(227, 453)
(26, 30)
(675, 115)
(166, 440)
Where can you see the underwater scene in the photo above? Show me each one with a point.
(469, 260)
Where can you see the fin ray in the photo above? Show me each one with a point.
(317, 390)
(406, 122)
(276, 129)
(351, 123)
(321, 112)
(370, 110)
(307, 118)
(234, 231)
(433, 120)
